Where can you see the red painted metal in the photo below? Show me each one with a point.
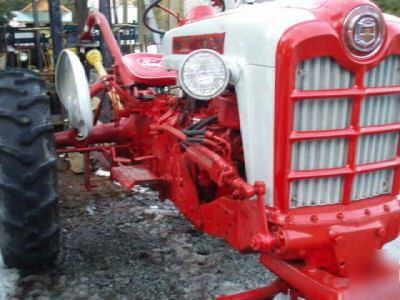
(97, 18)
(318, 252)
(199, 13)
(105, 133)
(130, 176)
(228, 112)
(146, 68)
(277, 287)
(317, 39)
(187, 44)
(314, 230)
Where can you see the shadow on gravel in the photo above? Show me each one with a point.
(119, 245)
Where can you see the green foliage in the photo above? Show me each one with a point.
(8, 6)
(390, 6)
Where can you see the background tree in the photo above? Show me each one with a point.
(8, 6)
(390, 6)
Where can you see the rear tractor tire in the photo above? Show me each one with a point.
(29, 221)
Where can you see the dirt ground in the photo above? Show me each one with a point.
(129, 245)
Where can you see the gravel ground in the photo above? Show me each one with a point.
(119, 245)
(8, 278)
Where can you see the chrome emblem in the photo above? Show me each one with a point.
(364, 31)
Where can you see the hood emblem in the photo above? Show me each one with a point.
(364, 31)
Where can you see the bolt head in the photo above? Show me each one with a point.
(381, 232)
(288, 219)
(255, 243)
(338, 240)
(386, 208)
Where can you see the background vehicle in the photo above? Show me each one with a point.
(283, 139)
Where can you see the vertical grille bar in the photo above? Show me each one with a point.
(386, 74)
(380, 110)
(322, 114)
(371, 184)
(377, 147)
(320, 154)
(319, 191)
(323, 73)
(340, 113)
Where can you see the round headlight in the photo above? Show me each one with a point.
(203, 74)
(364, 31)
(23, 56)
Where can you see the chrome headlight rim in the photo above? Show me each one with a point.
(218, 91)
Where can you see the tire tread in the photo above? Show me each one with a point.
(29, 221)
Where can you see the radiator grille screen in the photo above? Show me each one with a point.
(323, 73)
(373, 184)
(322, 114)
(320, 154)
(324, 131)
(319, 191)
(380, 110)
(377, 147)
(386, 74)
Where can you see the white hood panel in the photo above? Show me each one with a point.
(252, 33)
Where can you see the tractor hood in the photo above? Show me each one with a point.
(252, 32)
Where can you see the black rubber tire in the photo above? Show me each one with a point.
(29, 218)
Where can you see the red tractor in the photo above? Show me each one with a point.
(273, 125)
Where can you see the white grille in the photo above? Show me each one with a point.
(377, 147)
(373, 184)
(323, 73)
(320, 154)
(335, 114)
(386, 74)
(322, 114)
(320, 191)
(380, 110)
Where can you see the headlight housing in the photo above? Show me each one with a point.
(203, 74)
(23, 56)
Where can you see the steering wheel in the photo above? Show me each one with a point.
(156, 4)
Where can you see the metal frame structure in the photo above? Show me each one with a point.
(56, 27)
